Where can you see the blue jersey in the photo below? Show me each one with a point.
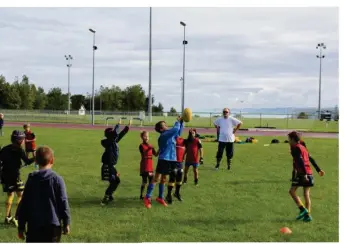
(167, 143)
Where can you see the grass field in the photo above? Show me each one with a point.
(248, 204)
(199, 122)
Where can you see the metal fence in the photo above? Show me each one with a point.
(200, 119)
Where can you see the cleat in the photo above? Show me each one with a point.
(169, 199)
(302, 214)
(8, 220)
(185, 182)
(229, 165)
(307, 218)
(14, 222)
(217, 167)
(105, 201)
(111, 198)
(141, 197)
(147, 202)
(178, 196)
(161, 201)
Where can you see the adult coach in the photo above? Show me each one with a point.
(226, 126)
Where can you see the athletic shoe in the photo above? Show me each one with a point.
(14, 221)
(161, 201)
(229, 165)
(147, 202)
(105, 201)
(307, 218)
(178, 196)
(141, 197)
(302, 214)
(111, 198)
(169, 199)
(217, 167)
(11, 221)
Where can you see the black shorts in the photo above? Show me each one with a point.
(108, 172)
(300, 181)
(15, 186)
(165, 167)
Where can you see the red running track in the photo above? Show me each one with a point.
(199, 130)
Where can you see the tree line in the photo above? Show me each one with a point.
(25, 95)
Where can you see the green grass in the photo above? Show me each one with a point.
(248, 204)
(299, 124)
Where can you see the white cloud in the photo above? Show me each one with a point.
(262, 56)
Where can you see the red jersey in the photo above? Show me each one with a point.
(192, 148)
(301, 162)
(30, 140)
(180, 149)
(147, 152)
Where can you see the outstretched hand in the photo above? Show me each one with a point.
(130, 122)
(321, 173)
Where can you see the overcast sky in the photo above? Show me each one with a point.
(236, 57)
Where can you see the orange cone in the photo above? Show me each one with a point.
(285, 230)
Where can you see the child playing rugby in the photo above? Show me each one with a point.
(193, 155)
(302, 176)
(166, 162)
(44, 213)
(110, 158)
(11, 157)
(30, 142)
(146, 165)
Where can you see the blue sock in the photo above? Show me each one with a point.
(161, 190)
(150, 189)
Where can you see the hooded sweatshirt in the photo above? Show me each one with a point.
(44, 202)
(167, 142)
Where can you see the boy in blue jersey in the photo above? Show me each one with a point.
(167, 159)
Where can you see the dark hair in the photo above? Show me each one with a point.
(190, 134)
(17, 137)
(44, 155)
(294, 136)
(108, 133)
(142, 133)
(158, 126)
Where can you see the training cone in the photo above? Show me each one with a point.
(285, 230)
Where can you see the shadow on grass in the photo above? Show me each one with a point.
(119, 202)
(7, 226)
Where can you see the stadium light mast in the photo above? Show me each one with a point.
(185, 42)
(94, 50)
(321, 47)
(150, 67)
(69, 59)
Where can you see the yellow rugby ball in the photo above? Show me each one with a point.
(187, 115)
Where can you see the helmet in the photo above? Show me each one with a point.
(17, 136)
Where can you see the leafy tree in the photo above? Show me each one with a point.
(57, 100)
(40, 99)
(172, 112)
(12, 100)
(77, 100)
(302, 115)
(158, 109)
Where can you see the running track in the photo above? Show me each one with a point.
(199, 130)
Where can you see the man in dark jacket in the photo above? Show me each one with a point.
(110, 158)
(44, 210)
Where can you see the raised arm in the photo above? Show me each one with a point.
(173, 131)
(123, 132)
(181, 128)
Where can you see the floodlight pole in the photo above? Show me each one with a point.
(69, 58)
(94, 50)
(185, 42)
(321, 47)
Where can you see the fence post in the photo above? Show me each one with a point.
(287, 121)
(210, 119)
(260, 115)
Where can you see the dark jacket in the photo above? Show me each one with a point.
(111, 153)
(11, 161)
(1, 122)
(44, 202)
